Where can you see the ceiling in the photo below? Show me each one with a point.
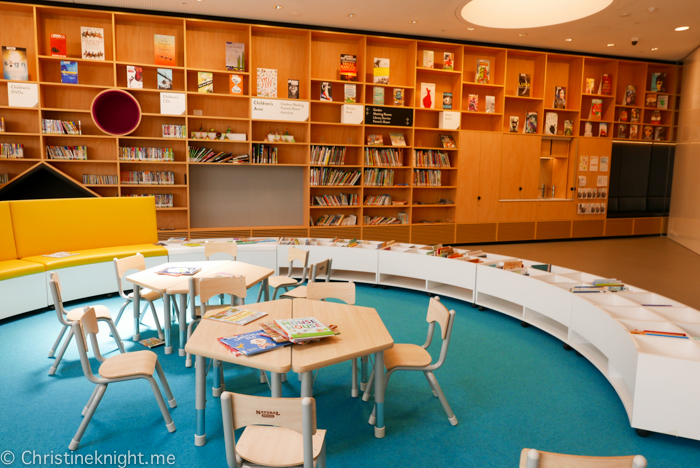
(617, 24)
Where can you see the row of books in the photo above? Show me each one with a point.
(336, 220)
(341, 199)
(174, 131)
(379, 177)
(163, 200)
(98, 179)
(197, 154)
(378, 200)
(431, 158)
(383, 157)
(324, 176)
(427, 178)
(378, 220)
(67, 152)
(4, 178)
(264, 154)
(147, 177)
(60, 127)
(132, 153)
(11, 150)
(328, 155)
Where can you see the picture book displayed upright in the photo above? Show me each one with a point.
(513, 123)
(267, 82)
(622, 131)
(658, 82)
(448, 61)
(590, 86)
(634, 132)
(235, 83)
(605, 85)
(559, 97)
(530, 123)
(378, 95)
(235, 56)
(348, 67)
(69, 72)
(164, 50)
(662, 101)
(326, 91)
(134, 77)
(381, 70)
(427, 95)
(92, 43)
(490, 104)
(603, 129)
(630, 95)
(350, 93)
(650, 100)
(165, 78)
(14, 63)
(58, 45)
(596, 109)
(568, 128)
(447, 101)
(550, 123)
(428, 59)
(483, 71)
(292, 89)
(205, 82)
(473, 103)
(398, 97)
(524, 85)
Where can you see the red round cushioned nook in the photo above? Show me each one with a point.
(116, 112)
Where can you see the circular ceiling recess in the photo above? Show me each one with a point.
(519, 14)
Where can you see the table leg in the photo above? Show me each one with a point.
(379, 385)
(365, 372)
(266, 289)
(307, 384)
(137, 311)
(200, 436)
(182, 323)
(276, 385)
(167, 323)
(218, 370)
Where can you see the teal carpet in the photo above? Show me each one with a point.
(510, 387)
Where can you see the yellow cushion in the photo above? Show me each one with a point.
(7, 237)
(87, 257)
(78, 224)
(14, 268)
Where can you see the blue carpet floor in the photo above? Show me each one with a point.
(510, 387)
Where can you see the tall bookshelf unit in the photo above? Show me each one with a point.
(492, 189)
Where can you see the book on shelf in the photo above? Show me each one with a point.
(605, 84)
(490, 104)
(398, 97)
(267, 82)
(235, 83)
(448, 141)
(530, 122)
(634, 115)
(235, 315)
(179, 271)
(69, 72)
(473, 103)
(397, 139)
(650, 100)
(551, 121)
(250, 344)
(634, 131)
(57, 43)
(656, 117)
(348, 67)
(662, 101)
(622, 131)
(427, 95)
(165, 78)
(326, 91)
(447, 101)
(603, 129)
(630, 95)
(483, 71)
(513, 123)
(523, 84)
(559, 97)
(375, 140)
(14, 64)
(350, 93)
(292, 89)
(152, 342)
(378, 95)
(448, 61)
(381, 70)
(624, 115)
(647, 132)
(428, 59)
(590, 86)
(235, 56)
(205, 82)
(164, 49)
(304, 329)
(568, 128)
(658, 82)
(596, 111)
(134, 77)
(660, 133)
(92, 43)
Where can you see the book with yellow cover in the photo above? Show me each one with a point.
(164, 50)
(235, 315)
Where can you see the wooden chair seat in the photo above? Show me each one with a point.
(101, 312)
(406, 355)
(129, 364)
(275, 446)
(297, 293)
(277, 281)
(146, 294)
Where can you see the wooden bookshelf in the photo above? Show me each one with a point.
(494, 177)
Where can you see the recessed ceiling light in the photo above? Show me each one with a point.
(412, 22)
(651, 9)
(471, 29)
(611, 45)
(625, 14)
(654, 48)
(350, 15)
(568, 39)
(682, 28)
(295, 13)
(511, 14)
(522, 34)
(278, 7)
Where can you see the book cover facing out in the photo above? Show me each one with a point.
(205, 82)
(378, 95)
(427, 95)
(524, 84)
(164, 49)
(134, 77)
(293, 89)
(92, 43)
(399, 97)
(326, 91)
(235, 83)
(267, 82)
(348, 67)
(58, 45)
(350, 93)
(483, 71)
(381, 70)
(14, 63)
(235, 56)
(447, 101)
(448, 61)
(165, 78)
(69, 72)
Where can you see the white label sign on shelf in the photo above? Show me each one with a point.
(352, 114)
(22, 94)
(173, 103)
(449, 120)
(279, 109)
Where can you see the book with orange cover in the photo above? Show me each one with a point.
(164, 50)
(58, 45)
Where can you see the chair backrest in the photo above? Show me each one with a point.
(321, 269)
(531, 458)
(341, 291)
(298, 254)
(297, 414)
(83, 328)
(207, 288)
(438, 313)
(211, 248)
(123, 265)
(55, 286)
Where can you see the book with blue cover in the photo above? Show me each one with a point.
(251, 343)
(69, 72)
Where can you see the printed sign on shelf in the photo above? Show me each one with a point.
(279, 109)
(22, 94)
(449, 120)
(393, 116)
(351, 114)
(173, 103)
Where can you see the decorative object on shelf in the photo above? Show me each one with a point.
(164, 50)
(447, 101)
(448, 61)
(350, 93)
(530, 123)
(590, 86)
(348, 67)
(630, 95)
(267, 82)
(603, 129)
(568, 128)
(473, 103)
(524, 85)
(165, 78)
(490, 104)
(134, 77)
(658, 82)
(428, 59)
(596, 109)
(378, 95)
(116, 112)
(69, 72)
(605, 85)
(205, 82)
(326, 91)
(235, 56)
(427, 95)
(14, 63)
(550, 123)
(483, 71)
(92, 43)
(381, 70)
(513, 124)
(57, 44)
(235, 83)
(559, 97)
(292, 89)
(398, 96)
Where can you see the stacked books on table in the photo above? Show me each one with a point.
(251, 343)
(235, 315)
(600, 285)
(179, 271)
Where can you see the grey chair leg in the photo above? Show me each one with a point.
(368, 388)
(89, 402)
(115, 334)
(155, 318)
(52, 371)
(58, 340)
(363, 380)
(354, 391)
(260, 292)
(96, 398)
(161, 404)
(446, 406)
(321, 462)
(263, 376)
(121, 311)
(430, 382)
(166, 387)
(229, 436)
